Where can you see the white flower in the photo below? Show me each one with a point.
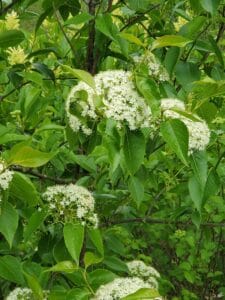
(24, 294)
(12, 20)
(118, 100)
(155, 68)
(171, 103)
(121, 101)
(140, 269)
(6, 176)
(179, 23)
(82, 95)
(199, 133)
(16, 55)
(71, 202)
(119, 288)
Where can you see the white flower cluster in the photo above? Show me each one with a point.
(121, 287)
(155, 68)
(71, 202)
(119, 101)
(82, 95)
(147, 273)
(199, 133)
(5, 176)
(142, 276)
(24, 294)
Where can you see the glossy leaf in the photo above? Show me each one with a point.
(170, 40)
(26, 156)
(175, 133)
(11, 269)
(133, 150)
(74, 236)
(11, 38)
(8, 222)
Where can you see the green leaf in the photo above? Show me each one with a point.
(106, 26)
(131, 38)
(172, 56)
(170, 40)
(8, 222)
(192, 28)
(116, 264)
(96, 238)
(44, 70)
(87, 163)
(21, 188)
(139, 5)
(25, 156)
(207, 111)
(136, 189)
(207, 88)
(11, 38)
(80, 74)
(34, 285)
(210, 5)
(63, 266)
(11, 269)
(76, 294)
(186, 73)
(100, 276)
(147, 294)
(133, 150)
(79, 19)
(216, 50)
(90, 259)
(196, 193)
(74, 237)
(212, 185)
(199, 166)
(175, 133)
(34, 223)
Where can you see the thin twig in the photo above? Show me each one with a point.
(63, 31)
(163, 222)
(2, 97)
(91, 38)
(42, 176)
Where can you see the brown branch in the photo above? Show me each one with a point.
(137, 18)
(110, 2)
(163, 222)
(42, 176)
(90, 61)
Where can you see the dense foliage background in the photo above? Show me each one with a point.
(155, 168)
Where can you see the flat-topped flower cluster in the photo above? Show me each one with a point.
(142, 277)
(24, 294)
(6, 176)
(155, 69)
(71, 203)
(115, 98)
(199, 133)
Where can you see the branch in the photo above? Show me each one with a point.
(42, 176)
(2, 97)
(63, 31)
(90, 61)
(159, 221)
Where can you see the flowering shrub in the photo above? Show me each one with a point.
(112, 150)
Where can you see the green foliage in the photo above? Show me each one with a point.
(150, 190)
